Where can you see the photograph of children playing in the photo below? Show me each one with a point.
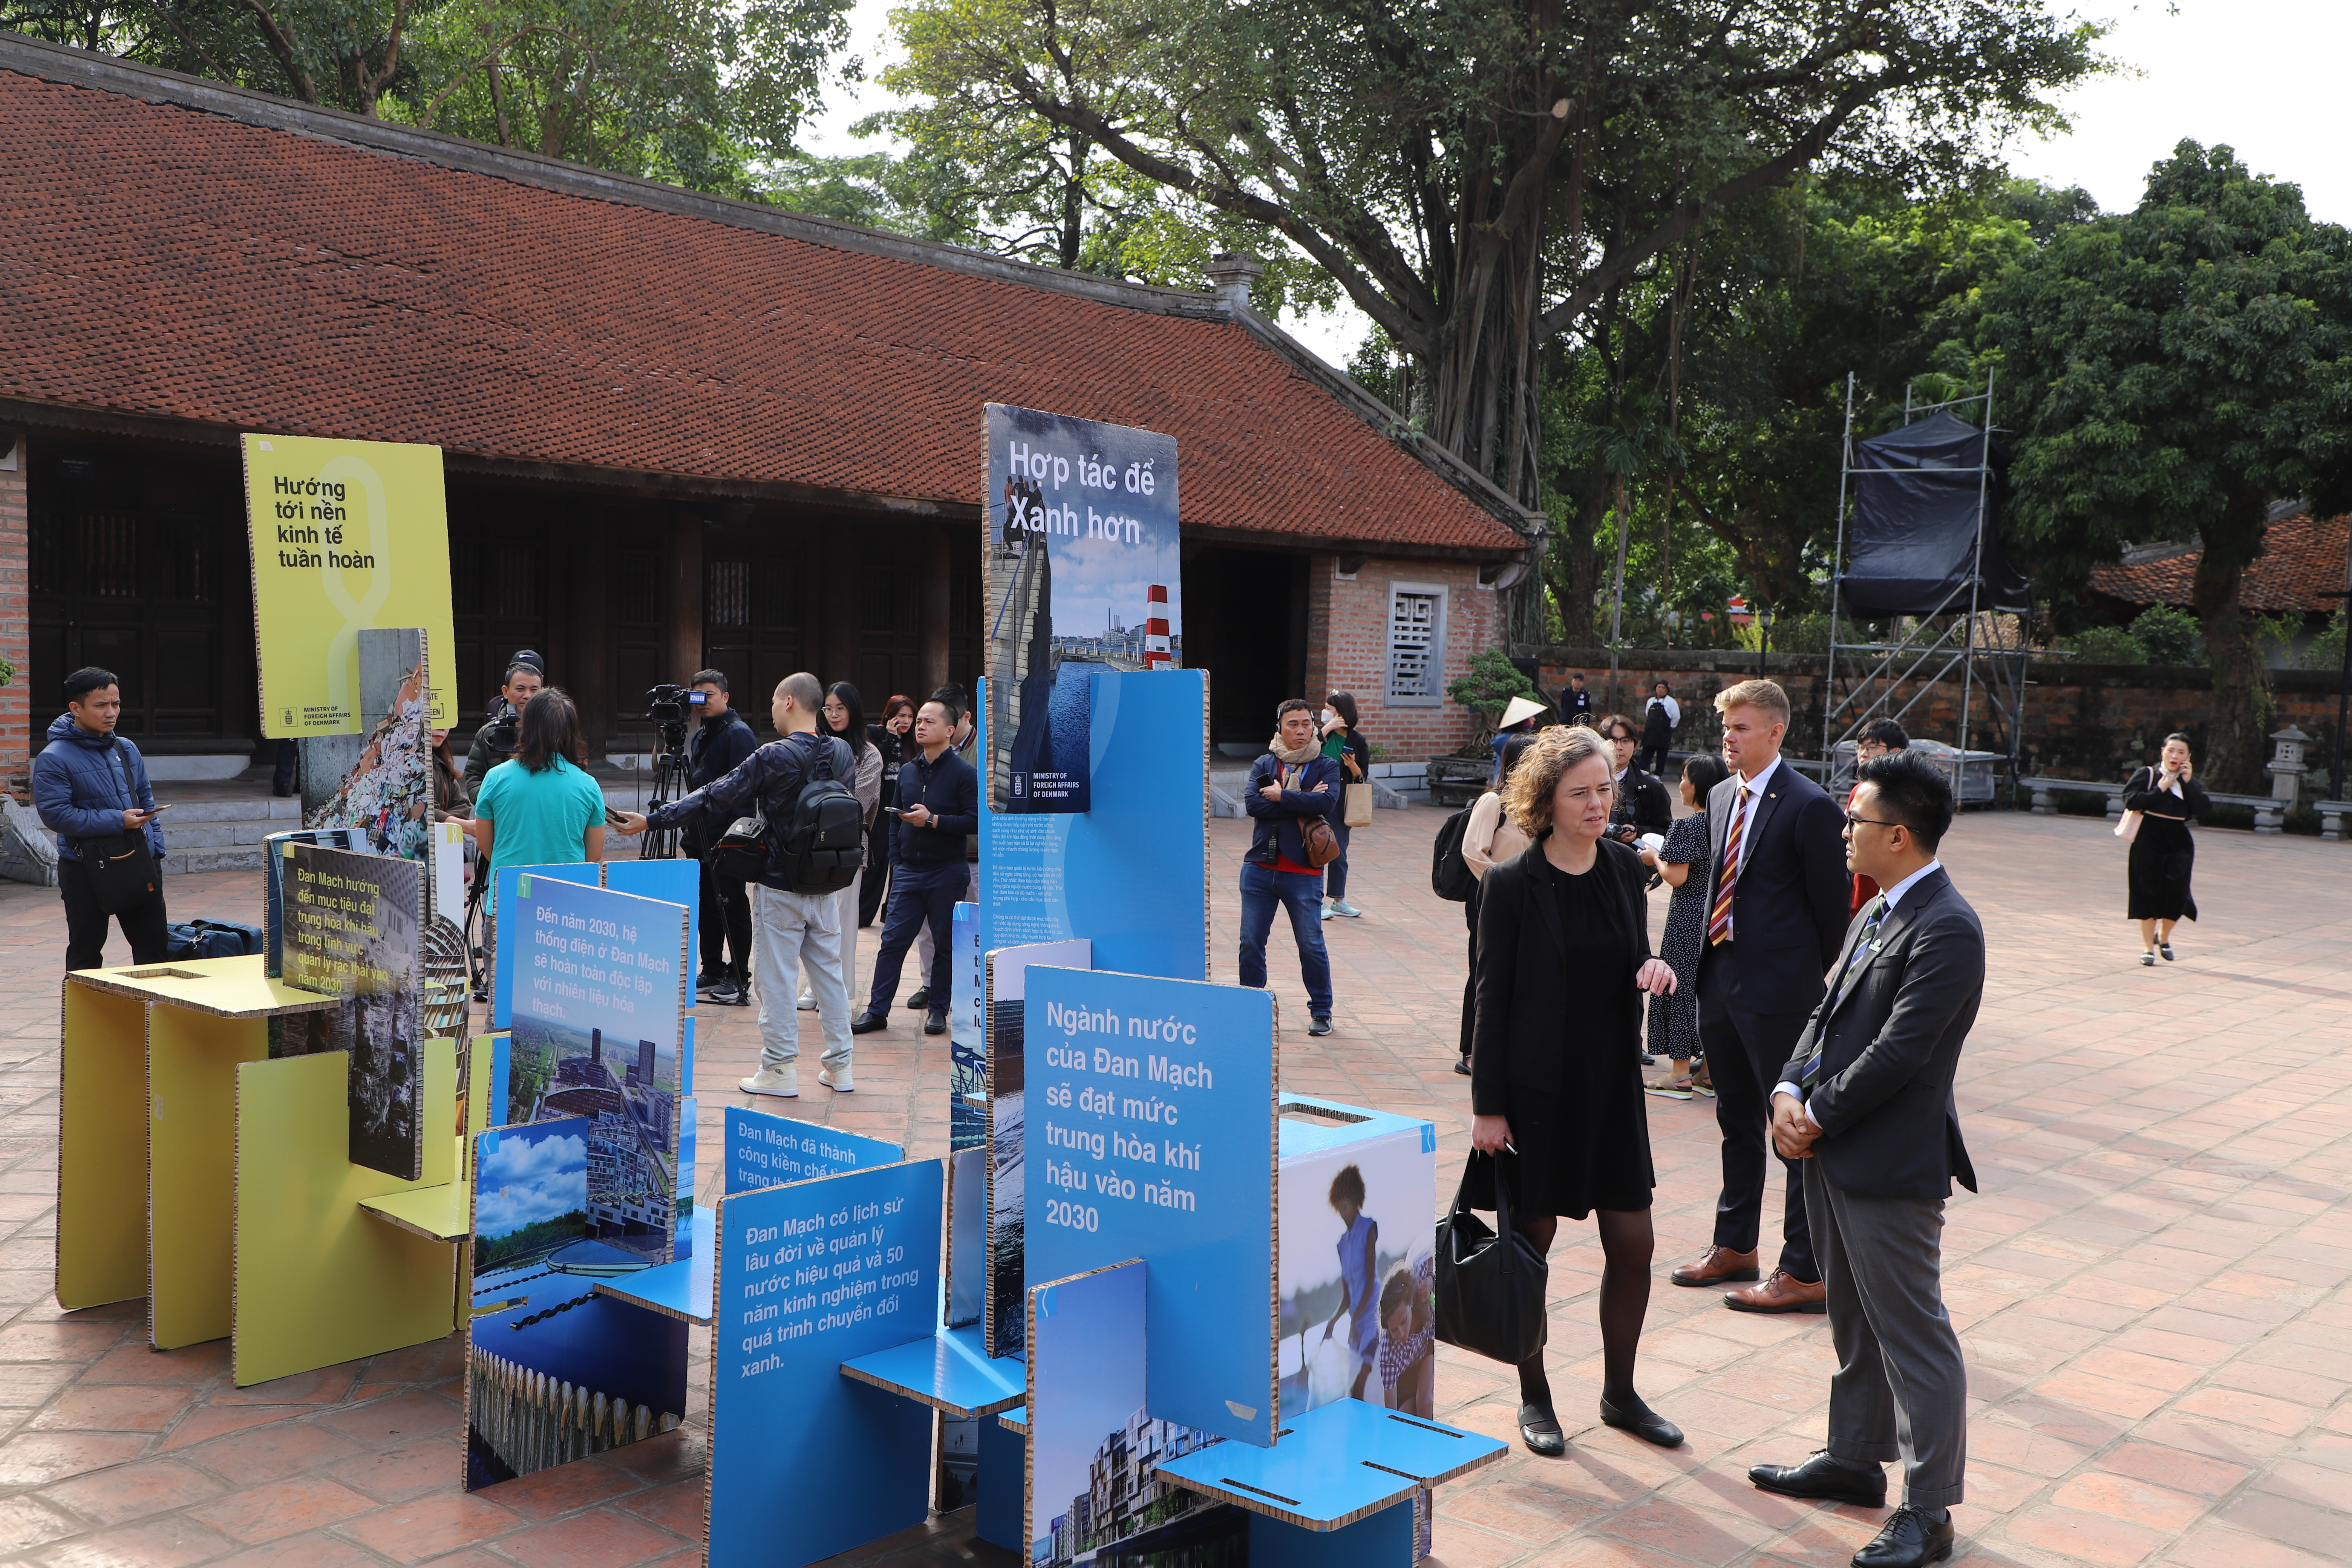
(1359, 1304)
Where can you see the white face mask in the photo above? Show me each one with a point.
(1328, 716)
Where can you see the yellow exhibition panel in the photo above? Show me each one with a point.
(348, 536)
(192, 1062)
(318, 1280)
(101, 1148)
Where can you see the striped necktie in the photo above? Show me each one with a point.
(1876, 912)
(1718, 920)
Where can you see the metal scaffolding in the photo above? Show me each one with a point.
(1929, 651)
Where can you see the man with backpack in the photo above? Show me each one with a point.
(939, 805)
(806, 845)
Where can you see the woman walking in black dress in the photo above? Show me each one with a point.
(2162, 853)
(1555, 1072)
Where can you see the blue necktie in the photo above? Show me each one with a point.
(1875, 913)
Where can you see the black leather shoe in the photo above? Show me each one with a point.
(1641, 1421)
(1539, 1430)
(1825, 1476)
(866, 1023)
(1462, 1066)
(937, 1024)
(1910, 1539)
(919, 1000)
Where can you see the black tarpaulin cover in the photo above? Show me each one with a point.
(1913, 538)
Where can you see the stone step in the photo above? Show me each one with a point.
(237, 858)
(286, 814)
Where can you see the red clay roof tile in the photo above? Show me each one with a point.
(161, 260)
(2302, 559)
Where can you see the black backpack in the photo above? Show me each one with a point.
(1450, 876)
(823, 844)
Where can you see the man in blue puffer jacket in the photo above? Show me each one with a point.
(90, 782)
(1292, 782)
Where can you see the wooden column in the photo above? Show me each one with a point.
(937, 556)
(834, 648)
(682, 602)
(589, 617)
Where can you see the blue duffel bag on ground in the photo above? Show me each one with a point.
(213, 939)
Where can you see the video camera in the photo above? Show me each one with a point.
(666, 705)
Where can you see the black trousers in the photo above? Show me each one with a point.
(726, 925)
(1470, 982)
(919, 895)
(142, 924)
(1744, 1053)
(1653, 762)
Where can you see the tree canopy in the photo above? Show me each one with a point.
(2177, 369)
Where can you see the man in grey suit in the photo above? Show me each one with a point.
(1866, 1103)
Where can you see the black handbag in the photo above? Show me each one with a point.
(122, 870)
(1490, 1287)
(121, 866)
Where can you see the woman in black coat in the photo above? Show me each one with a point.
(2163, 854)
(1556, 1068)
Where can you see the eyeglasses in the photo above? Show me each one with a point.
(1853, 821)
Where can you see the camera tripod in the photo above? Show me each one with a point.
(669, 785)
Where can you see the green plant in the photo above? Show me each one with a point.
(2109, 645)
(8, 667)
(2170, 636)
(2325, 651)
(1491, 682)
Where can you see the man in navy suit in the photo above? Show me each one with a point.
(1866, 1102)
(1775, 916)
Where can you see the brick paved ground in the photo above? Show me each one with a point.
(2149, 1288)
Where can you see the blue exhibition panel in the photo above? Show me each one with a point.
(502, 897)
(769, 1151)
(951, 1371)
(1336, 1465)
(1047, 878)
(674, 881)
(679, 1290)
(806, 1463)
(1154, 1111)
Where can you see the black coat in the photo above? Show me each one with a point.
(1791, 905)
(1890, 1126)
(1642, 800)
(1526, 980)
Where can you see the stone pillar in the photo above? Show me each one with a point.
(15, 623)
(937, 565)
(682, 601)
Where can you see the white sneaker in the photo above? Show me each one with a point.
(784, 1083)
(836, 1081)
(807, 1003)
(1346, 910)
(1329, 912)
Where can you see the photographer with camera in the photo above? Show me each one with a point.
(800, 785)
(722, 742)
(494, 741)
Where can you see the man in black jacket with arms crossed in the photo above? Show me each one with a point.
(1866, 1104)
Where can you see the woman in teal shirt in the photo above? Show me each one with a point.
(542, 808)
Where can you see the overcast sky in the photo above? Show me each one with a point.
(2256, 74)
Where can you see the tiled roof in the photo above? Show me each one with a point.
(2302, 559)
(183, 251)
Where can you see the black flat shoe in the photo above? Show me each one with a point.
(1908, 1539)
(2165, 948)
(1539, 1430)
(937, 1024)
(1642, 1422)
(1825, 1476)
(920, 1000)
(866, 1023)
(1462, 1066)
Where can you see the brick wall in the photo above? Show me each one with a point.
(2087, 721)
(1348, 647)
(16, 630)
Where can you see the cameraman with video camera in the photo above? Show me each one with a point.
(494, 742)
(720, 745)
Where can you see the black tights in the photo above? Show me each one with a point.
(1626, 1245)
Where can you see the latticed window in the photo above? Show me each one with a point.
(726, 594)
(1416, 645)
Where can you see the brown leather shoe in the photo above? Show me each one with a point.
(1714, 1265)
(1781, 1293)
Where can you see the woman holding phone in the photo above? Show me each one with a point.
(2166, 795)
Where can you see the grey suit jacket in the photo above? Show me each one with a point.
(1891, 1048)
